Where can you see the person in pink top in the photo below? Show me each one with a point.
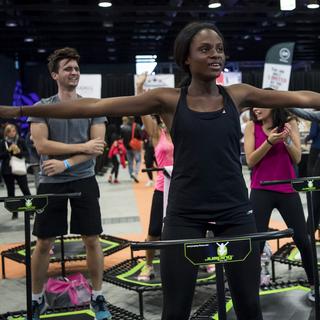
(163, 149)
(272, 148)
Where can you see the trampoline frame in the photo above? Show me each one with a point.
(111, 274)
(13, 254)
(281, 256)
(115, 311)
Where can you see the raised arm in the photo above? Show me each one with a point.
(245, 95)
(150, 125)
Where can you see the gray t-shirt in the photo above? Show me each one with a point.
(70, 131)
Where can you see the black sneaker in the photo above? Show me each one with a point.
(38, 309)
(99, 307)
(134, 178)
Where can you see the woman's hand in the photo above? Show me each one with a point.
(275, 136)
(15, 149)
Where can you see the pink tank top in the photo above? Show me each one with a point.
(275, 165)
(164, 156)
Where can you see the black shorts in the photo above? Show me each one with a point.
(156, 215)
(85, 210)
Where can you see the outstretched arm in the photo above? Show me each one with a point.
(310, 115)
(245, 95)
(152, 101)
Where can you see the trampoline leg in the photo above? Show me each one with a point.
(141, 303)
(273, 271)
(221, 292)
(28, 264)
(278, 244)
(3, 267)
(63, 264)
(131, 252)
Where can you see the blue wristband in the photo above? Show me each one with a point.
(66, 164)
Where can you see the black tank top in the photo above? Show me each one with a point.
(207, 181)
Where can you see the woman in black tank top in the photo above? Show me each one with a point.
(208, 191)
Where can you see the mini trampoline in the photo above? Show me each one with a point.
(74, 250)
(125, 275)
(278, 301)
(290, 255)
(75, 313)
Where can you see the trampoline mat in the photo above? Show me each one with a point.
(75, 314)
(127, 272)
(294, 254)
(285, 303)
(74, 248)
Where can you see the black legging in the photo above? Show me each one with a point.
(149, 158)
(290, 207)
(22, 182)
(179, 275)
(316, 195)
(115, 166)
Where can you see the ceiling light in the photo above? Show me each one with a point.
(213, 4)
(41, 50)
(28, 39)
(105, 4)
(287, 5)
(313, 4)
(11, 24)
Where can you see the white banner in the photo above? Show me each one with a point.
(229, 78)
(90, 86)
(276, 76)
(157, 81)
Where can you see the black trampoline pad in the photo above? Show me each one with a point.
(286, 303)
(74, 248)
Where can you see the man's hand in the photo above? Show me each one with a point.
(95, 146)
(53, 167)
(9, 112)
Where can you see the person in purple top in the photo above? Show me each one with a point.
(272, 148)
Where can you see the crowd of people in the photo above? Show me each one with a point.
(200, 122)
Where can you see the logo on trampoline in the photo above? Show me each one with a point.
(222, 253)
(310, 186)
(28, 203)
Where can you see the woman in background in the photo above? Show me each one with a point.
(13, 145)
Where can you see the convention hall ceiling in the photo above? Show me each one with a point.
(32, 28)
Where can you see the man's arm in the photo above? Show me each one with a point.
(44, 146)
(53, 166)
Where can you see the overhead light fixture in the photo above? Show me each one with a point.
(287, 5)
(105, 4)
(213, 4)
(11, 24)
(313, 4)
(28, 39)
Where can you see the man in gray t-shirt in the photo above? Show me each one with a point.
(67, 149)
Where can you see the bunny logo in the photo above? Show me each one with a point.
(28, 203)
(310, 184)
(222, 250)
